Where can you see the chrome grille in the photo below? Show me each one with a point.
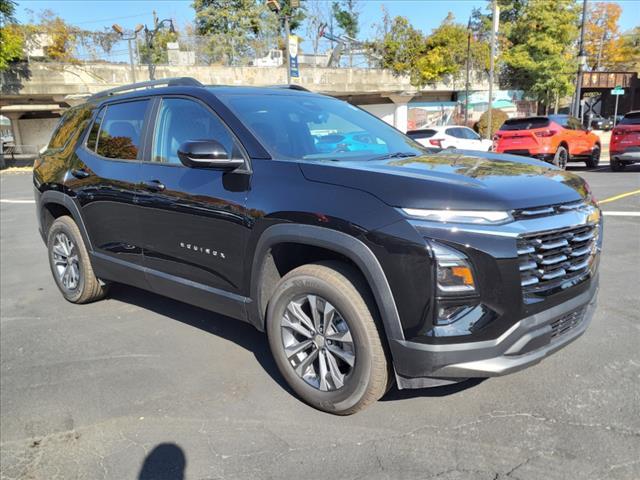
(527, 213)
(549, 259)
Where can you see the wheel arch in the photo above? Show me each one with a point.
(54, 204)
(340, 244)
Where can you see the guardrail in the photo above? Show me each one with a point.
(16, 155)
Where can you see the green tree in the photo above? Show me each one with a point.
(427, 59)
(11, 38)
(537, 39)
(156, 52)
(346, 17)
(230, 25)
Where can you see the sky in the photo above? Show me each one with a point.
(423, 14)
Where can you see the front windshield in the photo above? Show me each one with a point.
(305, 127)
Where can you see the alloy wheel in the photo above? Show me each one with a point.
(66, 262)
(317, 342)
(562, 159)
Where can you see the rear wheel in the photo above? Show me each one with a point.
(594, 158)
(70, 264)
(617, 165)
(324, 339)
(561, 158)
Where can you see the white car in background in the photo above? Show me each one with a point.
(450, 136)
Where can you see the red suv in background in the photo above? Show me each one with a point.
(625, 142)
(557, 139)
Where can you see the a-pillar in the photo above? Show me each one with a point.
(401, 111)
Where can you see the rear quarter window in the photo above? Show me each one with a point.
(117, 130)
(71, 125)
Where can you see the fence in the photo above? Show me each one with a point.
(208, 50)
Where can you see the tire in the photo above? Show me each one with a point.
(617, 165)
(368, 378)
(70, 264)
(561, 158)
(594, 159)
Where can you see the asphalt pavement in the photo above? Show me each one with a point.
(142, 387)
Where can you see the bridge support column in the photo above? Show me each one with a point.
(401, 112)
(14, 118)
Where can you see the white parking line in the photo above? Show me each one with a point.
(7, 200)
(621, 214)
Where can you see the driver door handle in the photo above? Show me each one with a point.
(154, 185)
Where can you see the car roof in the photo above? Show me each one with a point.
(190, 85)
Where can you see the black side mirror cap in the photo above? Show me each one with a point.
(207, 154)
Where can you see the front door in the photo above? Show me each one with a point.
(105, 177)
(194, 219)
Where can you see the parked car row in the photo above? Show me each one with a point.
(557, 139)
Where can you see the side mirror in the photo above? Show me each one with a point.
(207, 154)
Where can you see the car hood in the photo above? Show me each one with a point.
(455, 180)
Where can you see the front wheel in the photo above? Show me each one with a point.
(594, 158)
(325, 339)
(70, 263)
(561, 158)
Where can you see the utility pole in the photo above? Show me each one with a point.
(581, 62)
(495, 17)
(466, 87)
(287, 32)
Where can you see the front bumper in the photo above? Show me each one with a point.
(526, 343)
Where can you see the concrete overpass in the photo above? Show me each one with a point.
(34, 99)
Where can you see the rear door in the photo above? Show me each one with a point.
(195, 221)
(105, 177)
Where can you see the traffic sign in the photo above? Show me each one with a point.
(617, 91)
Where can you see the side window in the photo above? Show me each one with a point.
(470, 134)
(120, 130)
(181, 120)
(95, 129)
(455, 132)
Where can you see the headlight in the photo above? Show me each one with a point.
(454, 275)
(481, 217)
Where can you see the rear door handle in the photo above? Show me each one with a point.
(80, 173)
(154, 185)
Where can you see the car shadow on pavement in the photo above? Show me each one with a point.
(236, 331)
(166, 461)
(442, 391)
(248, 337)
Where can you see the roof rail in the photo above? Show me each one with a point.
(169, 82)
(292, 86)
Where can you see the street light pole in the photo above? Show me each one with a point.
(494, 27)
(288, 51)
(466, 88)
(133, 70)
(581, 62)
(120, 31)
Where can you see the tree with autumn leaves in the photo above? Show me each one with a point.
(605, 46)
(537, 40)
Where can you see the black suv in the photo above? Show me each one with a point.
(366, 263)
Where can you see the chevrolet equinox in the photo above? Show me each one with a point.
(366, 258)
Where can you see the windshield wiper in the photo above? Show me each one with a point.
(395, 155)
